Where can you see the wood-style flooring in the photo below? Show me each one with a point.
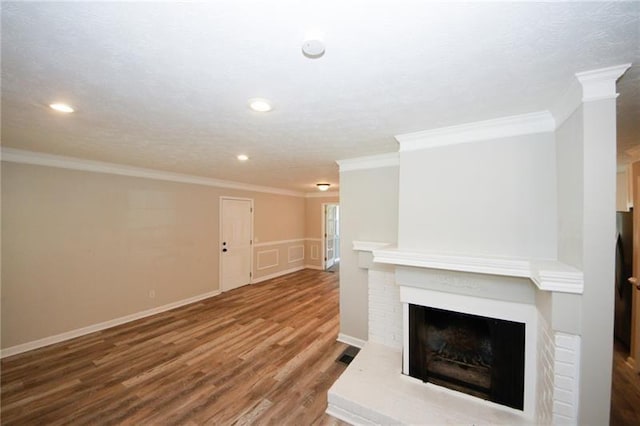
(261, 354)
(625, 391)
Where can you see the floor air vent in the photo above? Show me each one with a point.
(348, 355)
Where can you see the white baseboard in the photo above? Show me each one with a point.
(46, 341)
(350, 340)
(276, 274)
(317, 268)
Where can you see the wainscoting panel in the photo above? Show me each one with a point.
(295, 253)
(267, 259)
(275, 258)
(313, 246)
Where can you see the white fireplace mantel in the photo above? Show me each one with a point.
(547, 275)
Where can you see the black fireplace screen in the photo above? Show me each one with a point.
(476, 355)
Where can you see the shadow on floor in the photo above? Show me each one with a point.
(625, 390)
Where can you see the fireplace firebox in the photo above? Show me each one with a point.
(476, 355)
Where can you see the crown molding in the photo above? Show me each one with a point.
(328, 194)
(516, 125)
(587, 86)
(72, 163)
(567, 103)
(600, 83)
(370, 162)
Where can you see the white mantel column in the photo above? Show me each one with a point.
(586, 156)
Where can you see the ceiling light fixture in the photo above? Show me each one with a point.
(323, 186)
(313, 49)
(243, 157)
(260, 105)
(313, 46)
(60, 107)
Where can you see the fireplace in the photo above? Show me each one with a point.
(477, 355)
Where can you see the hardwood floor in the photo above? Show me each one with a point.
(261, 354)
(625, 391)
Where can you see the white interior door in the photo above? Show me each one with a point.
(330, 235)
(236, 235)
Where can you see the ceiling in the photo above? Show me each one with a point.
(165, 85)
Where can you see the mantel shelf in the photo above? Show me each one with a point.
(547, 275)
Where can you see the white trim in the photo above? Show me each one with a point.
(600, 83)
(490, 308)
(368, 245)
(315, 267)
(328, 194)
(546, 275)
(289, 260)
(323, 240)
(72, 163)
(557, 276)
(585, 87)
(262, 252)
(568, 103)
(220, 234)
(370, 162)
(35, 344)
(347, 416)
(516, 125)
(277, 274)
(482, 265)
(350, 340)
(279, 242)
(315, 249)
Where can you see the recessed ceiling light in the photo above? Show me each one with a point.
(260, 105)
(61, 107)
(323, 186)
(243, 157)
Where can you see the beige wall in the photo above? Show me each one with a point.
(276, 219)
(80, 248)
(368, 212)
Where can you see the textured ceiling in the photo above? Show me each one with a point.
(165, 85)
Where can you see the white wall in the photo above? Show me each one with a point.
(570, 168)
(368, 212)
(494, 197)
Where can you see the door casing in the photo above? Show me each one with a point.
(220, 235)
(323, 254)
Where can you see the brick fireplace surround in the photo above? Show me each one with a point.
(513, 291)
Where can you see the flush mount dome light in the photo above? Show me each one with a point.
(60, 107)
(323, 186)
(313, 44)
(242, 157)
(260, 105)
(313, 48)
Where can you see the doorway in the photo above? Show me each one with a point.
(236, 242)
(331, 235)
